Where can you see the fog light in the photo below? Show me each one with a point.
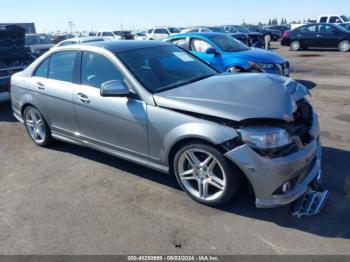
(286, 187)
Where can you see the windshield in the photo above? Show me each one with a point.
(37, 40)
(218, 30)
(166, 67)
(228, 43)
(173, 30)
(242, 29)
(345, 19)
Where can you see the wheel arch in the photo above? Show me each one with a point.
(24, 106)
(184, 141)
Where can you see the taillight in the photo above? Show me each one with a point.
(285, 34)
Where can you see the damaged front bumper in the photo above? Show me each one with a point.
(268, 176)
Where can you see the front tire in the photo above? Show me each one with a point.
(37, 127)
(205, 174)
(344, 46)
(295, 46)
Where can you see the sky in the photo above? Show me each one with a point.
(92, 15)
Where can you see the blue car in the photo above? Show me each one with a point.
(227, 54)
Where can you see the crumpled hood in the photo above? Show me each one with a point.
(237, 97)
(259, 55)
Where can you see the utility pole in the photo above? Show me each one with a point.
(71, 25)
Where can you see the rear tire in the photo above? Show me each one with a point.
(295, 45)
(205, 174)
(344, 46)
(37, 127)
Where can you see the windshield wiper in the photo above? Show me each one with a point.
(186, 82)
(198, 79)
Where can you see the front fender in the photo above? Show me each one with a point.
(237, 63)
(167, 127)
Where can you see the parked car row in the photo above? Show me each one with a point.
(324, 35)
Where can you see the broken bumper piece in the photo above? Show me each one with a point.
(311, 202)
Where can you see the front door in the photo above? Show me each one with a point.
(327, 35)
(117, 123)
(308, 36)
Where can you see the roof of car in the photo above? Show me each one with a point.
(127, 45)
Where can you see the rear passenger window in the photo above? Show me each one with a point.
(161, 31)
(179, 42)
(107, 34)
(61, 66)
(97, 69)
(323, 19)
(42, 69)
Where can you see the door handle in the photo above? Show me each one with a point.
(318, 35)
(83, 98)
(300, 36)
(40, 86)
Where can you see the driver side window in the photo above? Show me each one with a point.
(96, 69)
(199, 45)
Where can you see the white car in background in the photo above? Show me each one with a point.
(196, 30)
(140, 35)
(159, 33)
(333, 19)
(112, 35)
(81, 40)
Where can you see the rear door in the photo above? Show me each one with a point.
(116, 123)
(53, 82)
(308, 36)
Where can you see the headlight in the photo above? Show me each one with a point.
(262, 65)
(265, 137)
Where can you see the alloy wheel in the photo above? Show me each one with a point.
(202, 174)
(295, 45)
(35, 126)
(344, 46)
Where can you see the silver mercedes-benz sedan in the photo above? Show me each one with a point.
(159, 106)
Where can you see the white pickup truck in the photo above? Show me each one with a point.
(333, 19)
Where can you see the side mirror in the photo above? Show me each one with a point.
(212, 51)
(115, 88)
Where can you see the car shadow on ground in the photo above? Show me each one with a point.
(6, 112)
(332, 222)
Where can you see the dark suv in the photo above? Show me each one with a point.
(14, 57)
